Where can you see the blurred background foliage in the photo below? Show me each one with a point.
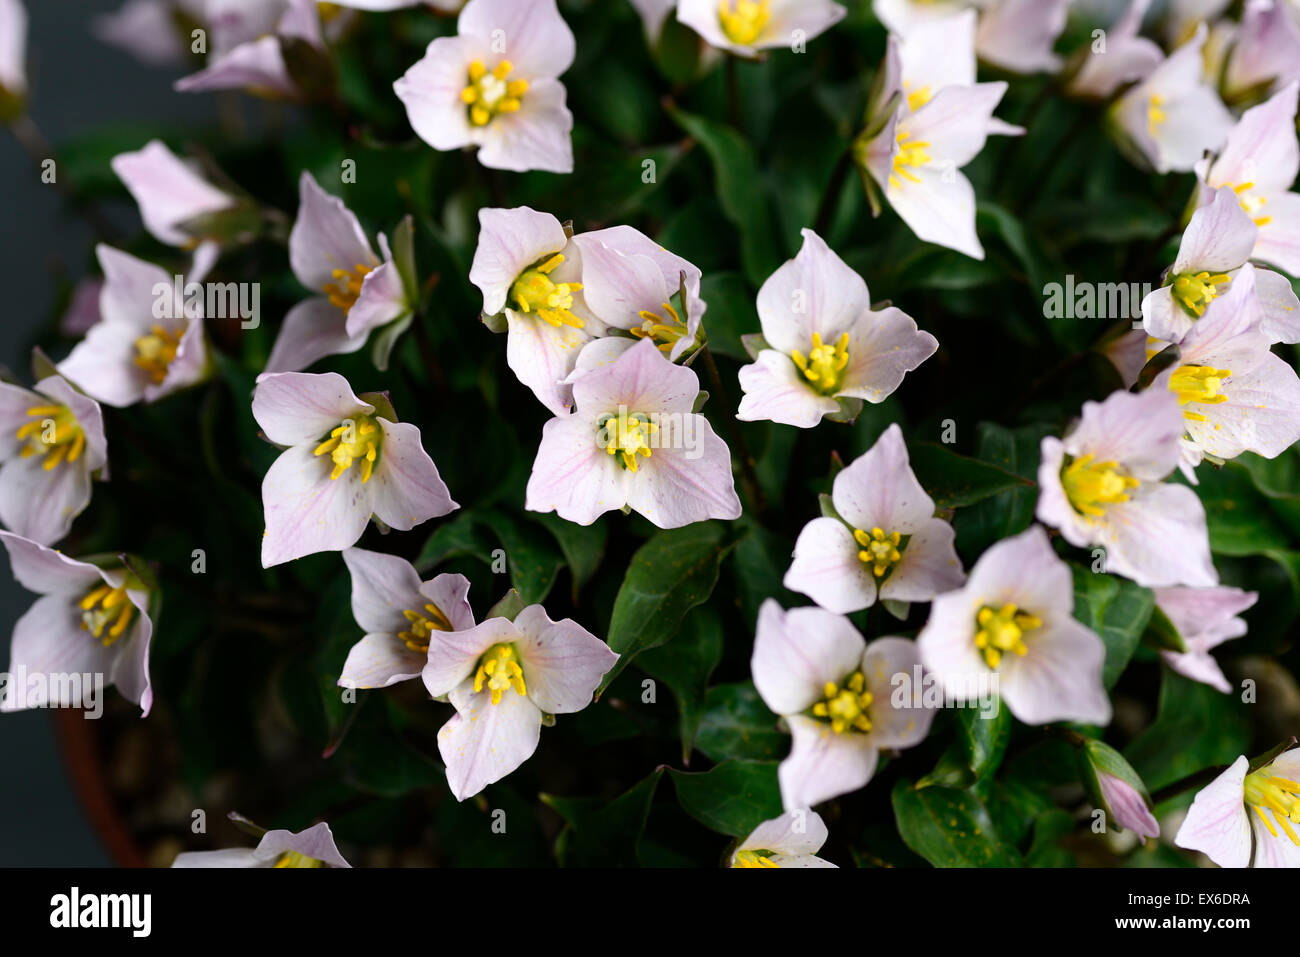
(722, 162)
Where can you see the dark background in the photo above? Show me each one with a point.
(77, 85)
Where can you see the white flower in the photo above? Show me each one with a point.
(149, 29)
(149, 342)
(1013, 621)
(357, 291)
(824, 343)
(1265, 52)
(884, 541)
(247, 50)
(1103, 485)
(1124, 57)
(313, 847)
(1172, 117)
(344, 460)
(400, 615)
(1018, 35)
(1205, 618)
(88, 621)
(494, 86)
(502, 677)
(13, 52)
(838, 695)
(634, 440)
(746, 26)
(791, 840)
(1219, 240)
(1259, 163)
(51, 443)
(1240, 801)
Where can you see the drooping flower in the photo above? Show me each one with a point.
(839, 697)
(1013, 622)
(1119, 57)
(1240, 803)
(1169, 119)
(634, 440)
(1219, 240)
(400, 615)
(914, 151)
(528, 268)
(1265, 52)
(824, 343)
(89, 622)
(1018, 35)
(1235, 394)
(345, 459)
(13, 57)
(1204, 618)
(883, 541)
(503, 676)
(791, 840)
(630, 281)
(257, 64)
(358, 292)
(1259, 163)
(746, 26)
(495, 86)
(53, 443)
(1104, 485)
(1117, 789)
(313, 847)
(149, 341)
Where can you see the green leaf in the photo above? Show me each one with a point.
(669, 575)
(460, 536)
(1116, 609)
(1240, 519)
(732, 313)
(583, 547)
(733, 798)
(1196, 727)
(950, 828)
(954, 481)
(599, 834)
(976, 751)
(736, 724)
(685, 666)
(533, 560)
(1007, 514)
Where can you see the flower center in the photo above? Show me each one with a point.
(1251, 204)
(358, 438)
(845, 707)
(1001, 630)
(294, 859)
(754, 859)
(1200, 384)
(103, 605)
(917, 98)
(54, 433)
(490, 93)
(534, 292)
(344, 292)
(1156, 114)
(1194, 291)
(743, 20)
(155, 351)
(423, 624)
(911, 154)
(499, 670)
(627, 435)
(824, 365)
(1277, 796)
(879, 550)
(664, 328)
(1089, 485)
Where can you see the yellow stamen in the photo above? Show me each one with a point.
(97, 612)
(627, 435)
(346, 288)
(1251, 204)
(1199, 385)
(845, 707)
(880, 551)
(499, 669)
(1156, 115)
(665, 329)
(743, 20)
(1003, 629)
(1090, 485)
(824, 365)
(1280, 797)
(490, 92)
(294, 859)
(423, 624)
(754, 859)
(359, 438)
(155, 352)
(911, 155)
(1194, 291)
(534, 293)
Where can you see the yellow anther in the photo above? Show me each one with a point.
(489, 92)
(879, 550)
(627, 435)
(664, 328)
(155, 352)
(53, 432)
(294, 859)
(535, 293)
(911, 154)
(1278, 796)
(1202, 385)
(845, 707)
(1090, 485)
(1194, 291)
(499, 670)
(99, 613)
(423, 624)
(824, 365)
(918, 97)
(359, 438)
(1001, 630)
(754, 859)
(743, 20)
(343, 292)
(1155, 113)
(1251, 204)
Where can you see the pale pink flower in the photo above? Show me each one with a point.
(313, 847)
(1018, 35)
(747, 26)
(13, 51)
(256, 64)
(1205, 618)
(1241, 803)
(1265, 52)
(1119, 57)
(791, 840)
